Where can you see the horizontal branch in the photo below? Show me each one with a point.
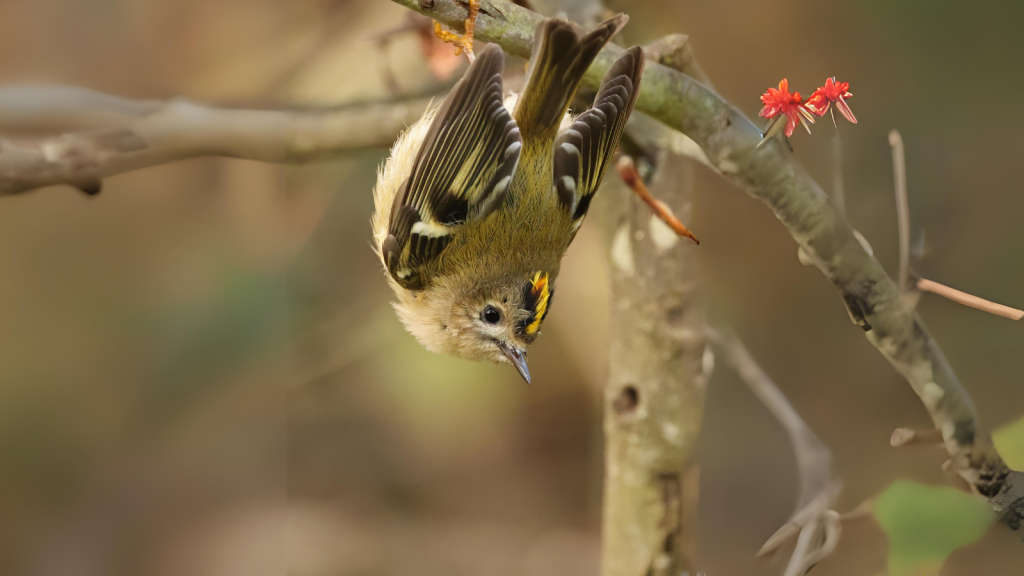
(55, 109)
(119, 135)
(772, 174)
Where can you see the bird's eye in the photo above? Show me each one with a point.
(491, 315)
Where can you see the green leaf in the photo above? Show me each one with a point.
(1009, 441)
(925, 524)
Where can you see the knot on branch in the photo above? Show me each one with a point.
(627, 400)
(1009, 500)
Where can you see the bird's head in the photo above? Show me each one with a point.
(494, 320)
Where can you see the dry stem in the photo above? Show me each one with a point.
(629, 175)
(969, 299)
(814, 520)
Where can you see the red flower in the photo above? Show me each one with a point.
(779, 104)
(832, 92)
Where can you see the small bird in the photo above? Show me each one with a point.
(483, 195)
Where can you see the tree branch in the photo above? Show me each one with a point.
(654, 399)
(814, 519)
(772, 174)
(652, 482)
(121, 135)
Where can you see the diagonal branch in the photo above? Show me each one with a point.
(771, 174)
(971, 300)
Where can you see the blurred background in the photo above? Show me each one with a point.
(200, 372)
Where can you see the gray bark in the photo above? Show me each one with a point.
(654, 399)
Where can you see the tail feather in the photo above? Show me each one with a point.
(561, 56)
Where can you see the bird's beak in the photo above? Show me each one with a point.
(518, 359)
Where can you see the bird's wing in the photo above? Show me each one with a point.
(584, 150)
(562, 53)
(462, 171)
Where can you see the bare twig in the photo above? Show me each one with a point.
(969, 299)
(903, 218)
(814, 520)
(899, 170)
(817, 540)
(863, 510)
(142, 134)
(906, 436)
(771, 174)
(838, 188)
(629, 175)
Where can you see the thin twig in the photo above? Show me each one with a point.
(629, 175)
(969, 299)
(907, 436)
(816, 542)
(863, 510)
(814, 520)
(899, 169)
(838, 188)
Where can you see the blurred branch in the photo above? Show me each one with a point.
(676, 52)
(654, 399)
(903, 227)
(658, 352)
(53, 109)
(907, 436)
(120, 135)
(814, 520)
(899, 169)
(838, 188)
(771, 174)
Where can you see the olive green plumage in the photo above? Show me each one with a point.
(476, 205)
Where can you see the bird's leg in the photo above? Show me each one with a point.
(628, 173)
(462, 43)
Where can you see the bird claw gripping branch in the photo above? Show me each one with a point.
(462, 43)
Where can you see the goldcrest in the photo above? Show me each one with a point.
(483, 195)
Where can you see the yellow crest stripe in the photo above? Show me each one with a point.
(542, 292)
